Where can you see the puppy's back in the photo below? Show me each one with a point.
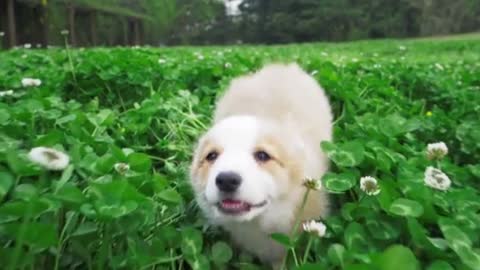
(282, 93)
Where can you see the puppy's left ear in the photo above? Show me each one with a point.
(298, 149)
(296, 139)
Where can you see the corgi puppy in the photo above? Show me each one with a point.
(248, 168)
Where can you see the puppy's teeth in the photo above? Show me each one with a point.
(234, 206)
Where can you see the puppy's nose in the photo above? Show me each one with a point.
(228, 181)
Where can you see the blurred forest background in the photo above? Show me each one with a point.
(206, 22)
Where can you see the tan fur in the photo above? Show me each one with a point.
(272, 146)
(271, 94)
(200, 167)
(294, 117)
(317, 204)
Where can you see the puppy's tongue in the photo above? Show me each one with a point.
(234, 205)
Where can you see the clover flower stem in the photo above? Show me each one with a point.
(20, 238)
(353, 195)
(361, 198)
(17, 180)
(307, 250)
(295, 259)
(122, 103)
(67, 48)
(172, 263)
(32, 123)
(154, 134)
(43, 178)
(302, 206)
(61, 241)
(157, 158)
(94, 133)
(341, 116)
(295, 228)
(105, 247)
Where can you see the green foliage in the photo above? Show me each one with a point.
(286, 21)
(124, 106)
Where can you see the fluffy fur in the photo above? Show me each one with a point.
(282, 111)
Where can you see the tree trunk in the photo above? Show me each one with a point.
(136, 30)
(44, 18)
(93, 27)
(71, 23)
(125, 32)
(12, 32)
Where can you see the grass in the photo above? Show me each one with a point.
(128, 123)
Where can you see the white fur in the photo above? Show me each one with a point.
(237, 136)
(281, 101)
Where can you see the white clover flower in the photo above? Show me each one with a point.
(440, 67)
(436, 150)
(49, 158)
(315, 227)
(121, 168)
(312, 183)
(369, 185)
(437, 179)
(27, 82)
(2, 34)
(162, 61)
(199, 56)
(6, 93)
(228, 65)
(27, 46)
(64, 32)
(402, 48)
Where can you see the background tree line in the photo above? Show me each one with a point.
(182, 22)
(272, 21)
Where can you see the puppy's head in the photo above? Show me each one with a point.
(242, 165)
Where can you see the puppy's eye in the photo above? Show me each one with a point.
(212, 156)
(262, 156)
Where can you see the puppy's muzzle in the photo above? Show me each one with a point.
(228, 182)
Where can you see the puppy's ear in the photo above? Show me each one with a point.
(297, 144)
(297, 150)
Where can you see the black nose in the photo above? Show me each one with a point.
(228, 181)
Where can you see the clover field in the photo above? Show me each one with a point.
(128, 118)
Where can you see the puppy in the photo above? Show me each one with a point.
(248, 168)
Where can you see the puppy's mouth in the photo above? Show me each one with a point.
(237, 207)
